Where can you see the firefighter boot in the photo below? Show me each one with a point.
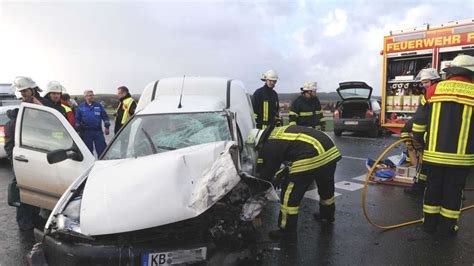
(448, 227)
(417, 189)
(430, 222)
(326, 213)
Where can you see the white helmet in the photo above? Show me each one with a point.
(310, 86)
(270, 75)
(23, 83)
(54, 86)
(254, 137)
(427, 73)
(461, 64)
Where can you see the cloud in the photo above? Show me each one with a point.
(102, 45)
(335, 23)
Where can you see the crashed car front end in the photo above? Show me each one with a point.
(139, 207)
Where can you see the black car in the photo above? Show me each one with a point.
(356, 111)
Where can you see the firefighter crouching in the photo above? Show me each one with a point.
(265, 102)
(312, 156)
(444, 125)
(306, 109)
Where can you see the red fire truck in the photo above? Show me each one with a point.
(406, 52)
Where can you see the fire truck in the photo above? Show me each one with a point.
(406, 52)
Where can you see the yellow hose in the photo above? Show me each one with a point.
(364, 192)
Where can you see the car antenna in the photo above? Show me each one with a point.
(181, 96)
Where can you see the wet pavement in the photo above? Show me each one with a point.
(350, 240)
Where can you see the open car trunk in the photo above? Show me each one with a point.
(354, 109)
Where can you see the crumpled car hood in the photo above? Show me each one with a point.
(139, 193)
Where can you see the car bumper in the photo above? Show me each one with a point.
(58, 252)
(350, 124)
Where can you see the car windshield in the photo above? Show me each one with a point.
(354, 92)
(151, 134)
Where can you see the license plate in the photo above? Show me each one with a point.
(351, 122)
(175, 257)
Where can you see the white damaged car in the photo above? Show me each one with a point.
(167, 189)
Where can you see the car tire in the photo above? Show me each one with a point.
(337, 132)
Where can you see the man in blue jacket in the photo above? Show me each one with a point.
(89, 116)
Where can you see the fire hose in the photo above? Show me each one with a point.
(364, 192)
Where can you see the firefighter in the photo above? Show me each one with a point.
(26, 215)
(311, 156)
(427, 77)
(125, 109)
(53, 97)
(444, 125)
(265, 101)
(306, 109)
(67, 105)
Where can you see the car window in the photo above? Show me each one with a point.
(375, 106)
(43, 131)
(151, 134)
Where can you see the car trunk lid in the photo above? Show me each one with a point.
(354, 89)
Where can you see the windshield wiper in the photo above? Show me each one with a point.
(165, 148)
(152, 145)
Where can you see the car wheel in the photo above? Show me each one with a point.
(337, 132)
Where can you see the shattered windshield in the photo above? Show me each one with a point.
(151, 134)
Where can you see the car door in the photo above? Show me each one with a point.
(40, 130)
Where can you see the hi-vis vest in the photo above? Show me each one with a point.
(126, 109)
(446, 124)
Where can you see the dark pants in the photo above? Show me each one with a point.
(294, 188)
(94, 138)
(443, 197)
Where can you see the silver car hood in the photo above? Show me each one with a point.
(138, 193)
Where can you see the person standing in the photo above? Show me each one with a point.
(125, 109)
(26, 215)
(67, 105)
(53, 97)
(265, 101)
(444, 126)
(89, 117)
(306, 109)
(312, 156)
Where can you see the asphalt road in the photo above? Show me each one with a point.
(351, 240)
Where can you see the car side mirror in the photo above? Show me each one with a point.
(60, 155)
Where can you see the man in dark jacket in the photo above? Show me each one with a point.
(311, 156)
(125, 109)
(306, 109)
(26, 215)
(53, 97)
(444, 125)
(265, 102)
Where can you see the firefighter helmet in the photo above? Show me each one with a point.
(309, 86)
(461, 64)
(427, 73)
(23, 83)
(54, 86)
(270, 75)
(254, 137)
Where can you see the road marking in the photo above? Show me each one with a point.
(354, 158)
(313, 194)
(346, 185)
(360, 178)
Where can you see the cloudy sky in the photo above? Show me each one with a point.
(105, 44)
